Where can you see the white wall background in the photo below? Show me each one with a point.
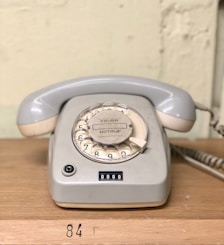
(218, 92)
(47, 41)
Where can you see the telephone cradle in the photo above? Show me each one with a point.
(108, 146)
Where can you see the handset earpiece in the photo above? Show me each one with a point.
(38, 112)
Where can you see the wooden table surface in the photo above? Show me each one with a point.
(194, 213)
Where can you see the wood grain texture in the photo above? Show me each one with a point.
(194, 213)
(119, 231)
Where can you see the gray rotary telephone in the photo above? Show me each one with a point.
(108, 147)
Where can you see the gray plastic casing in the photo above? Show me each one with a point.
(146, 177)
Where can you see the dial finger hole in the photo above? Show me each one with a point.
(81, 125)
(87, 145)
(112, 153)
(98, 152)
(80, 136)
(124, 151)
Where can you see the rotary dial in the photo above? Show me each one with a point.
(109, 133)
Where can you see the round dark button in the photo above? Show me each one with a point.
(69, 170)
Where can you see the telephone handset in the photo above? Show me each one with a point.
(38, 112)
(108, 147)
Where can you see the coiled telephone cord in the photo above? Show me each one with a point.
(200, 159)
(214, 123)
(207, 162)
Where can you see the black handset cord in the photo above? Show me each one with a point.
(200, 159)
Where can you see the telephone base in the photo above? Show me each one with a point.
(109, 205)
(77, 181)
